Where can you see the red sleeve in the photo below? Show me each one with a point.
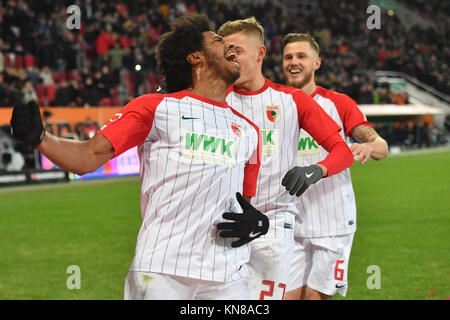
(349, 113)
(131, 126)
(339, 155)
(313, 119)
(253, 164)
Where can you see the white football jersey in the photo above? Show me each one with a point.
(195, 154)
(328, 208)
(279, 111)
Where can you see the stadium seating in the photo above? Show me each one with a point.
(51, 92)
(29, 61)
(422, 53)
(41, 94)
(18, 61)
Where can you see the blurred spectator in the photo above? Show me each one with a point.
(103, 60)
(2, 62)
(3, 93)
(122, 35)
(60, 65)
(103, 42)
(29, 93)
(385, 94)
(46, 49)
(366, 94)
(65, 95)
(47, 76)
(75, 93)
(108, 81)
(33, 74)
(90, 94)
(424, 135)
(116, 55)
(100, 84)
(408, 135)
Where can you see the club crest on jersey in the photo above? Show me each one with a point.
(237, 129)
(273, 113)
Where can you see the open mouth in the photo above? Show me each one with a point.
(295, 71)
(232, 57)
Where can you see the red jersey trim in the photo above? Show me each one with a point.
(349, 112)
(210, 101)
(267, 84)
(253, 165)
(132, 124)
(248, 92)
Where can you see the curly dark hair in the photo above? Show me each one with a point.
(174, 47)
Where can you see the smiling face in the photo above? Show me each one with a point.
(250, 54)
(300, 61)
(221, 57)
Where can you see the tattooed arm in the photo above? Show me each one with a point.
(370, 145)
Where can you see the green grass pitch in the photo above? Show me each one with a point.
(403, 228)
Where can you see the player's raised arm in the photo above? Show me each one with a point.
(127, 129)
(75, 156)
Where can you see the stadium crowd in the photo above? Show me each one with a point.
(111, 58)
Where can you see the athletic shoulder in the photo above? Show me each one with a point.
(338, 98)
(347, 108)
(151, 101)
(281, 87)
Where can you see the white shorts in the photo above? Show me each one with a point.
(158, 286)
(321, 264)
(269, 268)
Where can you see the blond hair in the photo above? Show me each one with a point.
(301, 37)
(248, 25)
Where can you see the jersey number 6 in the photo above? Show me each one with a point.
(339, 273)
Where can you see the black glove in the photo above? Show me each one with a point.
(249, 225)
(26, 124)
(162, 88)
(298, 179)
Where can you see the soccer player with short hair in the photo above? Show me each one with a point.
(197, 156)
(327, 222)
(280, 112)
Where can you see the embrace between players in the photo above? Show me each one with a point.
(245, 186)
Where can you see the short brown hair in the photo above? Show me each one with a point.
(299, 37)
(248, 25)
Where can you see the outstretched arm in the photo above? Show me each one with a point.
(75, 156)
(79, 157)
(370, 145)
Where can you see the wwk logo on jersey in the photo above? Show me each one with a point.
(273, 113)
(308, 147)
(270, 141)
(207, 148)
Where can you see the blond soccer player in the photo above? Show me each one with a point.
(327, 222)
(280, 112)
